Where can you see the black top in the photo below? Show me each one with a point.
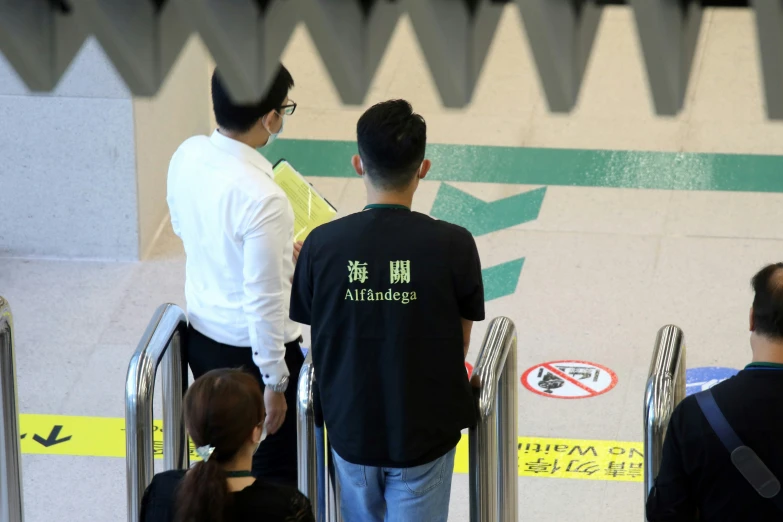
(260, 501)
(384, 291)
(697, 481)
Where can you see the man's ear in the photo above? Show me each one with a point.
(752, 321)
(356, 161)
(267, 120)
(425, 168)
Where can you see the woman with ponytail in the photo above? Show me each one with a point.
(224, 416)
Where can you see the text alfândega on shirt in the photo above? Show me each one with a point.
(364, 294)
(399, 273)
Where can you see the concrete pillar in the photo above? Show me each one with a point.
(83, 168)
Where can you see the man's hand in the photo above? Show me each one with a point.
(275, 410)
(297, 249)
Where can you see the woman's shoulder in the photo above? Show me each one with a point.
(167, 477)
(166, 482)
(278, 502)
(158, 502)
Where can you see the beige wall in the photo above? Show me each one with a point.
(180, 110)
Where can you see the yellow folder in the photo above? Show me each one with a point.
(310, 208)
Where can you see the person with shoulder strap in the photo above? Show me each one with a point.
(722, 456)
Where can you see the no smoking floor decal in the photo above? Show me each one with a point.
(569, 379)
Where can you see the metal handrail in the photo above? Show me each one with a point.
(493, 441)
(162, 342)
(11, 504)
(316, 473)
(307, 450)
(665, 389)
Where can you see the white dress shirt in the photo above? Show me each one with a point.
(237, 226)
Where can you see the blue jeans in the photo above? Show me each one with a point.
(421, 493)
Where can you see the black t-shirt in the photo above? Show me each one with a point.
(260, 501)
(697, 481)
(384, 291)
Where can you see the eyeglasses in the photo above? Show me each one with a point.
(288, 109)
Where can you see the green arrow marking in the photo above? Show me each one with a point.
(480, 217)
(502, 280)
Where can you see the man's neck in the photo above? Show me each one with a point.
(241, 137)
(404, 199)
(766, 350)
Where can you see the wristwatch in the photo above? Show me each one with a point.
(280, 387)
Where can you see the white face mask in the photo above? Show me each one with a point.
(274, 135)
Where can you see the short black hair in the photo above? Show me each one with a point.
(768, 302)
(392, 140)
(241, 118)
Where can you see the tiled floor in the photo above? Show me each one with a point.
(604, 267)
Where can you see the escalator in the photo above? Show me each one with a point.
(493, 468)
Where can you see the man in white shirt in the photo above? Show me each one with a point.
(237, 228)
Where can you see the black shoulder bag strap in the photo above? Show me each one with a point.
(744, 459)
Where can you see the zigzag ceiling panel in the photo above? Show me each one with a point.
(143, 38)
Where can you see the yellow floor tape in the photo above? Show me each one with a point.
(538, 456)
(572, 459)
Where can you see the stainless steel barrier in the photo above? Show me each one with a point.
(11, 505)
(316, 473)
(162, 341)
(493, 442)
(665, 390)
(307, 449)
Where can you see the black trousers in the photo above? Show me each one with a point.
(275, 459)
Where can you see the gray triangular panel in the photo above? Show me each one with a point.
(455, 43)
(351, 44)
(38, 41)
(561, 35)
(769, 24)
(141, 42)
(668, 31)
(245, 43)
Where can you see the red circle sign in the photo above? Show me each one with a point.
(569, 379)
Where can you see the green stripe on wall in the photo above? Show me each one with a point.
(570, 167)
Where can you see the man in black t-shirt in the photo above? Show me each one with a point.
(391, 296)
(697, 481)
